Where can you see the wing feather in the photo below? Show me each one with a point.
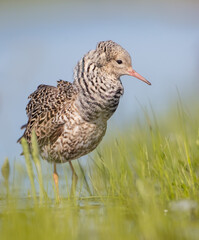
(44, 105)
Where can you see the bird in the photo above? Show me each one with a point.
(70, 120)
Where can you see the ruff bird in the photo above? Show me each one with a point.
(70, 120)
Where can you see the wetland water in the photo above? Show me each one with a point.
(143, 184)
(42, 43)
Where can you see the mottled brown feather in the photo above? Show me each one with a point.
(42, 108)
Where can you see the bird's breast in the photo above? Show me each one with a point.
(100, 101)
(77, 139)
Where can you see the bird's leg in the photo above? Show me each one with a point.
(56, 180)
(74, 179)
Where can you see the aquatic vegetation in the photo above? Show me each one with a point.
(143, 183)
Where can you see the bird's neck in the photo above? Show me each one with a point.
(99, 93)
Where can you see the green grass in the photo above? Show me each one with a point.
(141, 184)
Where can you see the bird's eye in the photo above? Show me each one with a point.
(119, 61)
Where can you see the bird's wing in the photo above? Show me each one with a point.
(44, 105)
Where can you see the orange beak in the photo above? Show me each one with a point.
(133, 73)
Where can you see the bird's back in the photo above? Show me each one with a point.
(42, 110)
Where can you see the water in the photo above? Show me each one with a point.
(42, 43)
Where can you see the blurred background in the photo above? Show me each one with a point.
(41, 42)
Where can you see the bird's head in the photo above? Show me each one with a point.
(115, 60)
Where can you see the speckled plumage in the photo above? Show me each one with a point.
(70, 120)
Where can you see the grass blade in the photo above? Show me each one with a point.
(29, 167)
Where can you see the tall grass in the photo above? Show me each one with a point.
(141, 184)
